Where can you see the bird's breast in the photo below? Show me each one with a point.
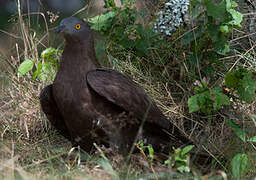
(71, 92)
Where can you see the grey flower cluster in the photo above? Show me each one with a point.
(170, 17)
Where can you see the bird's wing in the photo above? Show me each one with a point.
(124, 92)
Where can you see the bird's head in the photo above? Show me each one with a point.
(74, 29)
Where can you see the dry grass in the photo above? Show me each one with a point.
(29, 148)
(34, 150)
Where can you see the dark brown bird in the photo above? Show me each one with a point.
(89, 104)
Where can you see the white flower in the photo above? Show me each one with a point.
(170, 17)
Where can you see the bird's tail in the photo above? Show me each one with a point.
(164, 140)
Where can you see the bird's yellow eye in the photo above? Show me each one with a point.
(78, 26)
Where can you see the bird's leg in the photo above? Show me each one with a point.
(51, 110)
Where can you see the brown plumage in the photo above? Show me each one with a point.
(89, 104)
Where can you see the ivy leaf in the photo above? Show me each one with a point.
(25, 66)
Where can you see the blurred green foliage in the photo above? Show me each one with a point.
(243, 82)
(207, 100)
(120, 26)
(179, 159)
(44, 68)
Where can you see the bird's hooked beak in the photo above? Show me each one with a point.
(60, 28)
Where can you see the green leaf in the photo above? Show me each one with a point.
(167, 162)
(193, 103)
(231, 80)
(38, 70)
(225, 29)
(199, 89)
(151, 153)
(47, 52)
(213, 30)
(247, 91)
(196, 4)
(103, 21)
(237, 17)
(201, 102)
(237, 130)
(179, 158)
(46, 72)
(183, 169)
(228, 4)
(25, 67)
(105, 164)
(222, 47)
(142, 46)
(233, 4)
(219, 39)
(219, 99)
(186, 149)
(252, 139)
(216, 10)
(192, 36)
(243, 81)
(50, 53)
(205, 102)
(240, 165)
(110, 3)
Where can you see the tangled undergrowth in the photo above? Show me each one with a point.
(170, 72)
